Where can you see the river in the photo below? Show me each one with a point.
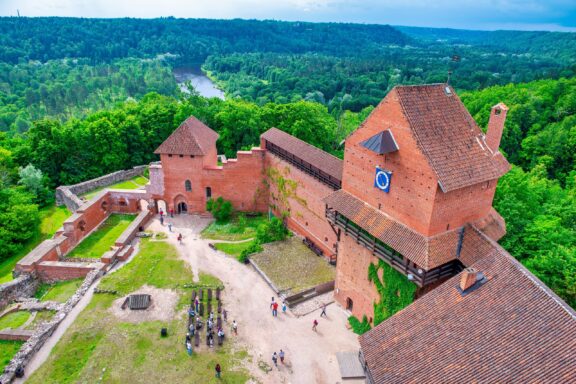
(199, 80)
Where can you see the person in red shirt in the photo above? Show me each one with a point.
(275, 309)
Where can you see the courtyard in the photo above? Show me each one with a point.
(99, 346)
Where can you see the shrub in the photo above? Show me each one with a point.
(221, 209)
(359, 327)
(253, 248)
(273, 230)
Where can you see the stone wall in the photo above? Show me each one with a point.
(23, 286)
(68, 194)
(44, 331)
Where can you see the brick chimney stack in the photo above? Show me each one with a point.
(468, 278)
(496, 126)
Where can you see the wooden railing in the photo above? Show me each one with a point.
(308, 168)
(418, 275)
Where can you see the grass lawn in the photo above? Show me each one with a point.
(7, 351)
(292, 266)
(133, 183)
(99, 348)
(60, 291)
(233, 249)
(14, 320)
(103, 238)
(51, 218)
(236, 229)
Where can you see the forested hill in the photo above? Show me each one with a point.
(193, 40)
(68, 67)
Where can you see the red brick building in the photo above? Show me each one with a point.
(414, 190)
(443, 173)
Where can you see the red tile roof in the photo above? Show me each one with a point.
(449, 137)
(307, 152)
(512, 329)
(192, 137)
(426, 252)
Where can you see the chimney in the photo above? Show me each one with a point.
(496, 126)
(468, 278)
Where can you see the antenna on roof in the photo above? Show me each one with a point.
(18, 12)
(448, 79)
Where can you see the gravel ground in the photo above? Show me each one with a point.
(310, 356)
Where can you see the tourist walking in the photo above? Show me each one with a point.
(169, 227)
(275, 359)
(323, 313)
(171, 212)
(225, 315)
(275, 309)
(197, 305)
(235, 327)
(189, 347)
(284, 307)
(180, 238)
(218, 371)
(272, 302)
(314, 325)
(161, 220)
(281, 354)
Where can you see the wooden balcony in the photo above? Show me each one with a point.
(416, 274)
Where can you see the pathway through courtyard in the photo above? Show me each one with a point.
(311, 356)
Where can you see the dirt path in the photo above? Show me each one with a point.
(310, 356)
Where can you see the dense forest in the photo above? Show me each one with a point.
(95, 96)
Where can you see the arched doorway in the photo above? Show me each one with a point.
(182, 207)
(349, 304)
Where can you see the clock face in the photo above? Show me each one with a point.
(382, 180)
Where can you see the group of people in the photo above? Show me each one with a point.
(274, 307)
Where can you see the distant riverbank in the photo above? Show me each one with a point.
(199, 80)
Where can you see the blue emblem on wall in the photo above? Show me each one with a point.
(382, 179)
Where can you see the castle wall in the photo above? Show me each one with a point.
(177, 169)
(305, 206)
(352, 278)
(239, 180)
(466, 205)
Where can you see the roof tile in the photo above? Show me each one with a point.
(192, 137)
(449, 137)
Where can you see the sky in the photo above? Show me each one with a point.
(551, 15)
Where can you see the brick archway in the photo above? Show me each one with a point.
(181, 204)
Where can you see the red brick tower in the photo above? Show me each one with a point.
(184, 154)
(415, 173)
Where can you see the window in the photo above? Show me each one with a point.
(169, 155)
(208, 192)
(188, 186)
(191, 156)
(349, 304)
(82, 226)
(104, 206)
(181, 155)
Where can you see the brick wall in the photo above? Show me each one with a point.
(238, 180)
(306, 208)
(352, 278)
